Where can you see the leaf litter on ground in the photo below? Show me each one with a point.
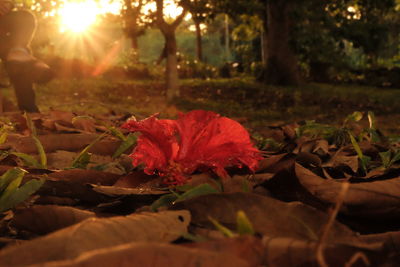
(305, 164)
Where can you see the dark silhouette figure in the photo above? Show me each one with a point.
(16, 31)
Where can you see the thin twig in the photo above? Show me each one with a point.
(359, 255)
(321, 243)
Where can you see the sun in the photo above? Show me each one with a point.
(78, 17)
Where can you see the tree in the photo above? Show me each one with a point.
(200, 11)
(170, 49)
(280, 61)
(134, 26)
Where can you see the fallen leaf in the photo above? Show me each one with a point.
(269, 216)
(97, 233)
(342, 159)
(125, 191)
(48, 218)
(287, 252)
(54, 142)
(151, 254)
(367, 199)
(248, 248)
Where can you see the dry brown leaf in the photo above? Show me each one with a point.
(268, 162)
(370, 199)
(249, 248)
(54, 142)
(269, 216)
(125, 191)
(48, 218)
(151, 254)
(288, 252)
(86, 124)
(84, 176)
(134, 179)
(341, 159)
(97, 233)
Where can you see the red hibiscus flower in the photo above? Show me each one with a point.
(198, 140)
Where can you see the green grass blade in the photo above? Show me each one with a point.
(225, 231)
(163, 201)
(83, 159)
(243, 224)
(20, 194)
(10, 176)
(364, 159)
(11, 188)
(29, 160)
(42, 153)
(38, 144)
(203, 189)
(125, 145)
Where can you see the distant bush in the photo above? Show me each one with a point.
(192, 68)
(379, 77)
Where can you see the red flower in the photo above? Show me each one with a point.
(198, 140)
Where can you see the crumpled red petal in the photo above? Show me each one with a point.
(197, 140)
(156, 146)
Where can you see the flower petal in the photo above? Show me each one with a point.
(208, 140)
(157, 144)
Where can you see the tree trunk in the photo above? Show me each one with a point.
(227, 40)
(199, 46)
(282, 66)
(264, 44)
(135, 48)
(172, 78)
(170, 50)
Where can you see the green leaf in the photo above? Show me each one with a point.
(12, 180)
(20, 194)
(125, 145)
(117, 133)
(169, 199)
(225, 231)
(199, 190)
(38, 144)
(29, 160)
(9, 176)
(30, 124)
(386, 158)
(42, 153)
(164, 201)
(355, 116)
(243, 224)
(364, 159)
(395, 158)
(83, 159)
(194, 238)
(3, 135)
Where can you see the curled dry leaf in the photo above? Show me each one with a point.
(269, 216)
(369, 199)
(342, 159)
(48, 218)
(54, 142)
(124, 191)
(97, 233)
(151, 254)
(287, 252)
(84, 176)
